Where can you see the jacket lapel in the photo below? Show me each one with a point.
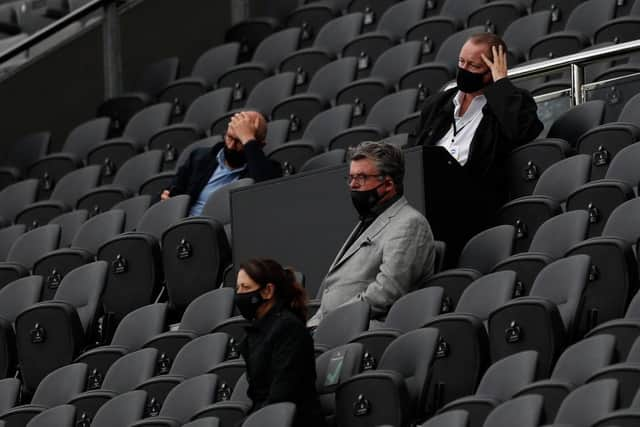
(369, 234)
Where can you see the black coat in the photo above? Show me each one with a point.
(194, 174)
(279, 355)
(463, 200)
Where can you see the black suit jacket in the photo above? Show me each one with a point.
(463, 200)
(194, 174)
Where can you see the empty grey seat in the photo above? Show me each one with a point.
(448, 419)
(60, 416)
(574, 366)
(324, 160)
(341, 325)
(218, 206)
(552, 310)
(586, 404)
(581, 118)
(64, 197)
(69, 319)
(9, 393)
(501, 381)
(15, 197)
(55, 389)
(133, 209)
(525, 411)
(486, 294)
(70, 223)
(8, 235)
(484, 250)
(496, 17)
(121, 410)
(274, 415)
(21, 154)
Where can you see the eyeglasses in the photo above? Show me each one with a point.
(361, 178)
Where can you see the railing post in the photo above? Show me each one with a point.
(577, 80)
(111, 49)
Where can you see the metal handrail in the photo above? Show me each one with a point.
(53, 28)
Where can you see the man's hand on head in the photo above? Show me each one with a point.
(498, 66)
(165, 195)
(244, 126)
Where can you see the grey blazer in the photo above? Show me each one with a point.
(392, 257)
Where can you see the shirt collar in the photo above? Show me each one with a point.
(221, 163)
(478, 100)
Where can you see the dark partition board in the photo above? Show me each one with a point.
(303, 220)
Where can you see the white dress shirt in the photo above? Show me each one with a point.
(458, 139)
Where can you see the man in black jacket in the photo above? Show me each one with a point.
(239, 156)
(478, 124)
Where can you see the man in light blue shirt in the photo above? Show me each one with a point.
(239, 156)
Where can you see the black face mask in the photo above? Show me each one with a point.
(248, 303)
(235, 159)
(365, 201)
(469, 82)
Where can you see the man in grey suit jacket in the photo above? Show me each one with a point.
(391, 250)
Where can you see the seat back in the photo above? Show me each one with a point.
(564, 177)
(18, 295)
(622, 165)
(274, 415)
(30, 246)
(450, 47)
(396, 20)
(218, 206)
(16, 197)
(275, 47)
(487, 293)
(523, 32)
(484, 250)
(586, 404)
(61, 385)
(342, 324)
(524, 411)
(336, 33)
(132, 174)
(459, 9)
(624, 222)
(75, 184)
(139, 325)
(327, 124)
(579, 361)
(121, 410)
(27, 149)
(161, 215)
(86, 135)
(395, 61)
(562, 282)
(506, 376)
(130, 370)
(454, 418)
(415, 309)
(387, 112)
(191, 395)
(8, 236)
(579, 119)
(69, 223)
(82, 287)
(189, 361)
(215, 61)
(157, 75)
(559, 233)
(268, 92)
(98, 229)
(133, 209)
(61, 416)
(329, 79)
(207, 310)
(590, 15)
(206, 109)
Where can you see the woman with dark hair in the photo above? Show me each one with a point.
(278, 349)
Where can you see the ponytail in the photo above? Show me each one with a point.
(288, 291)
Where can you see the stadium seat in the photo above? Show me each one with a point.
(453, 282)
(133, 208)
(522, 33)
(200, 317)
(274, 415)
(315, 139)
(121, 377)
(525, 411)
(621, 29)
(243, 78)
(484, 250)
(189, 363)
(54, 389)
(573, 368)
(136, 328)
(372, 10)
(435, 29)
(526, 163)
(327, 45)
(409, 312)
(575, 122)
(26, 250)
(341, 326)
(496, 16)
(60, 416)
(486, 294)
(385, 73)
(49, 169)
(182, 402)
(588, 403)
(394, 393)
(560, 11)
(153, 78)
(448, 419)
(578, 32)
(14, 298)
(198, 118)
(130, 176)
(323, 160)
(311, 17)
(64, 197)
(15, 197)
(501, 381)
(554, 187)
(204, 75)
(69, 223)
(9, 393)
(391, 27)
(113, 153)
(51, 334)
(195, 252)
(552, 309)
(381, 119)
(230, 412)
(613, 276)
(551, 241)
(8, 236)
(323, 87)
(21, 154)
(121, 410)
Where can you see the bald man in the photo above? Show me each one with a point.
(239, 156)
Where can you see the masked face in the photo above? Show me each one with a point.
(365, 200)
(235, 159)
(469, 82)
(248, 303)
(365, 183)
